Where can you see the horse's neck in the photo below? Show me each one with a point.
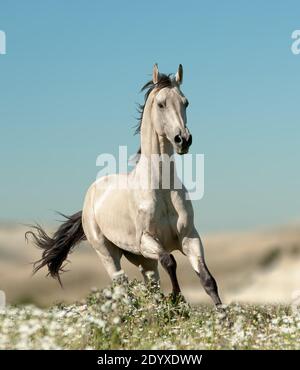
(151, 142)
(152, 147)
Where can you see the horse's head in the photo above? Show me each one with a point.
(169, 110)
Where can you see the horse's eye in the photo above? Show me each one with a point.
(160, 105)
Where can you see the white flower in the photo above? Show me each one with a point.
(106, 307)
(98, 322)
(150, 275)
(116, 320)
(118, 292)
(287, 330)
(107, 293)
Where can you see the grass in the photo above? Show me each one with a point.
(132, 315)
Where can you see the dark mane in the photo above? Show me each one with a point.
(164, 81)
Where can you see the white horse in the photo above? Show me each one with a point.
(125, 214)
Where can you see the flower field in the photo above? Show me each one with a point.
(132, 315)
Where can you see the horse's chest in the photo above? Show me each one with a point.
(164, 223)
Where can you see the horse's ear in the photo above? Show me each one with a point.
(155, 74)
(179, 75)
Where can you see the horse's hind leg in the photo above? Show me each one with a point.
(151, 248)
(146, 265)
(109, 254)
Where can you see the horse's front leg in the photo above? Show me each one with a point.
(193, 248)
(150, 247)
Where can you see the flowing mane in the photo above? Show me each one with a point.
(164, 81)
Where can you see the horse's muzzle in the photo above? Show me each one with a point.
(183, 143)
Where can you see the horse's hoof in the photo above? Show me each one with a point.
(221, 310)
(177, 298)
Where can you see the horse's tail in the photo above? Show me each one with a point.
(56, 248)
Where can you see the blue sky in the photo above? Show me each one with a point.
(70, 81)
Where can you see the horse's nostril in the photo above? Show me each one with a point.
(178, 139)
(190, 140)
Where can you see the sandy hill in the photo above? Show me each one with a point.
(259, 266)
